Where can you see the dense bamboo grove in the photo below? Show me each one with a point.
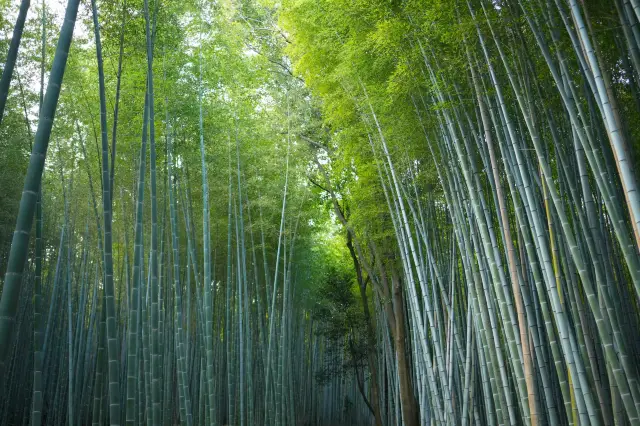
(320, 212)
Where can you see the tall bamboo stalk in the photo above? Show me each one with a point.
(20, 241)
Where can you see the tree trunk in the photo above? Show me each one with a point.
(407, 397)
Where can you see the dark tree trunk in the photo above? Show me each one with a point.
(407, 397)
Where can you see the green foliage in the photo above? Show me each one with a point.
(340, 320)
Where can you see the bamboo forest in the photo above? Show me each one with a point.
(320, 212)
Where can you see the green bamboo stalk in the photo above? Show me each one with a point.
(112, 343)
(206, 241)
(154, 290)
(272, 309)
(116, 107)
(20, 241)
(38, 335)
(138, 265)
(7, 72)
(186, 415)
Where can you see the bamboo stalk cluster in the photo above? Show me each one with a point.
(518, 262)
(478, 158)
(157, 335)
